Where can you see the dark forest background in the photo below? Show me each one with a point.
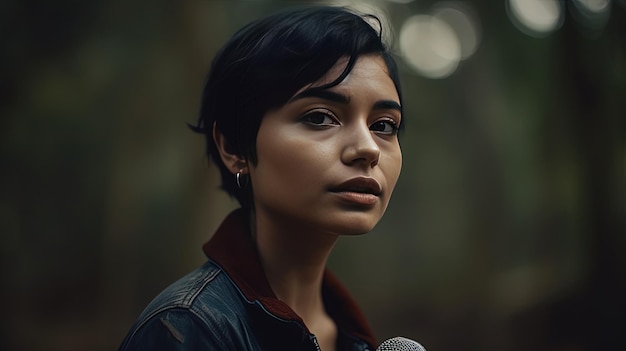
(506, 230)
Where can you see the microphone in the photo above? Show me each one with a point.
(400, 343)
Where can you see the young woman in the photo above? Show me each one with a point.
(301, 112)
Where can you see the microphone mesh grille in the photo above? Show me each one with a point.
(400, 344)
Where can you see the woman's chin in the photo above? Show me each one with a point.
(354, 225)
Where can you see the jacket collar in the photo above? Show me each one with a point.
(232, 248)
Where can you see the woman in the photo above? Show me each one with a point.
(301, 112)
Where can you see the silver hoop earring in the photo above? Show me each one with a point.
(238, 178)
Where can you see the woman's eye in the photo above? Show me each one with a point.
(319, 119)
(385, 127)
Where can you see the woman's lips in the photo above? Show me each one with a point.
(359, 190)
(357, 198)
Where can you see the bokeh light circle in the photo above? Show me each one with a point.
(464, 22)
(595, 6)
(535, 17)
(430, 46)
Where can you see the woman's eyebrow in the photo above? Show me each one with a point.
(344, 99)
(322, 94)
(387, 105)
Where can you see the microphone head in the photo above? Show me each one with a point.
(400, 343)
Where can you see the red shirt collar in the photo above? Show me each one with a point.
(232, 248)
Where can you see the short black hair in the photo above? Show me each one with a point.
(267, 61)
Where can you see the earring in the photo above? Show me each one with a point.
(238, 178)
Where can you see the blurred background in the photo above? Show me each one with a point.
(506, 231)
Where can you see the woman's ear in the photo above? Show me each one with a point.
(234, 162)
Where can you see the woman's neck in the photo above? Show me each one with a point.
(294, 259)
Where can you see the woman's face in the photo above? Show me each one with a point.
(330, 159)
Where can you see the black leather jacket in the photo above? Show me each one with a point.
(227, 304)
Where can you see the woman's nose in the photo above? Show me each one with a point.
(361, 147)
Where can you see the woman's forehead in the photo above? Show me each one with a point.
(339, 67)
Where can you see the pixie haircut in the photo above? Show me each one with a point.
(266, 62)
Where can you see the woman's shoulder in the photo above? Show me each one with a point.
(205, 282)
(203, 306)
(205, 291)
